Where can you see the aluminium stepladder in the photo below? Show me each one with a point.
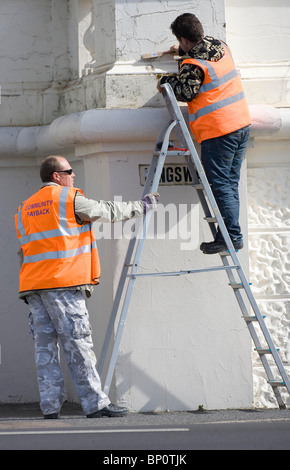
(230, 262)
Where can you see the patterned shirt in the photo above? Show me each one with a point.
(187, 82)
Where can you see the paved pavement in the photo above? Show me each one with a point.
(72, 413)
(23, 427)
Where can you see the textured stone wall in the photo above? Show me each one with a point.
(269, 240)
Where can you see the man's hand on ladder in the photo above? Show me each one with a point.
(150, 201)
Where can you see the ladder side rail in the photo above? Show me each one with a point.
(125, 306)
(253, 333)
(171, 111)
(248, 292)
(263, 327)
(117, 299)
(123, 276)
(201, 195)
(282, 405)
(245, 312)
(162, 132)
(134, 268)
(190, 164)
(162, 156)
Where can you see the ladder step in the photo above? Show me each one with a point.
(226, 253)
(250, 318)
(174, 152)
(276, 383)
(198, 186)
(264, 350)
(238, 285)
(210, 219)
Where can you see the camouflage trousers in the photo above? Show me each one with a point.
(62, 316)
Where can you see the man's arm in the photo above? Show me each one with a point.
(186, 83)
(113, 211)
(88, 210)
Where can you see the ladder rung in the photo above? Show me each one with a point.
(226, 253)
(178, 152)
(276, 383)
(250, 318)
(210, 219)
(174, 152)
(237, 285)
(264, 350)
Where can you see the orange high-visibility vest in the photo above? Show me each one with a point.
(220, 106)
(58, 252)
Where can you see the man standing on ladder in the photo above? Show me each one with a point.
(218, 115)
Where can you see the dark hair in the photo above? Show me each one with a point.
(49, 165)
(187, 26)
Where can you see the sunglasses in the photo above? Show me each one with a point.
(69, 172)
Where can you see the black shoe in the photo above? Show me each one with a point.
(51, 416)
(238, 245)
(111, 411)
(205, 244)
(218, 246)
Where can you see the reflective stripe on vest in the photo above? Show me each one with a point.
(59, 254)
(215, 80)
(218, 105)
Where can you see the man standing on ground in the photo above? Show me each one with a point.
(59, 263)
(218, 115)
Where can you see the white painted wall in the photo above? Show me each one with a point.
(258, 30)
(261, 48)
(144, 26)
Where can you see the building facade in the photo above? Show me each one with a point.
(73, 83)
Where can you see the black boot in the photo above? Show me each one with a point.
(218, 246)
(111, 411)
(51, 416)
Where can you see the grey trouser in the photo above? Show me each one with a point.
(63, 315)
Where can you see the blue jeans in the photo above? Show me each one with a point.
(222, 159)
